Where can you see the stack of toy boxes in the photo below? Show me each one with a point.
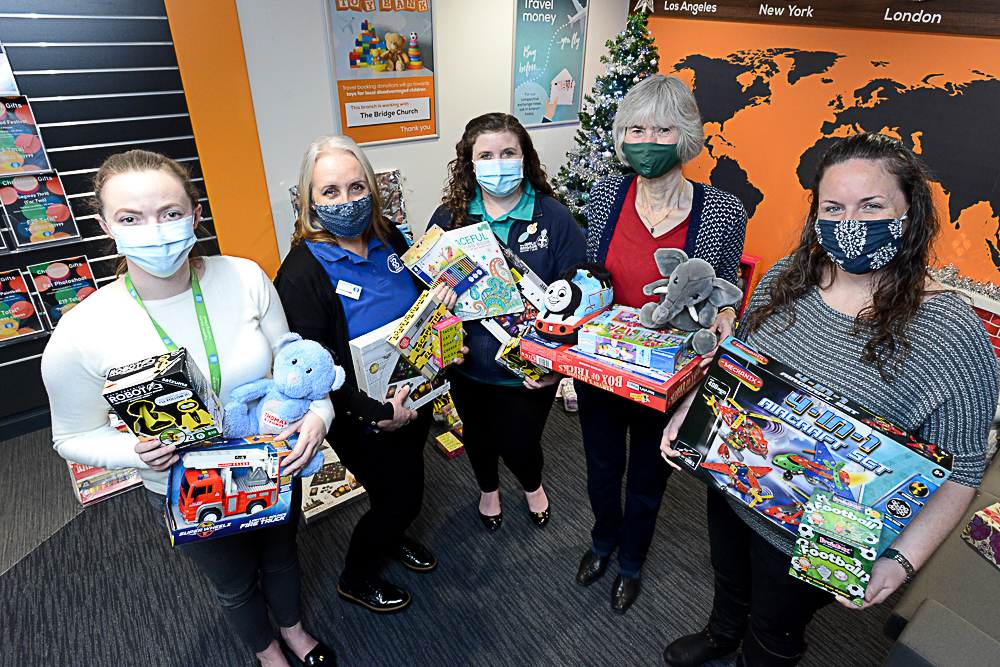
(836, 545)
(366, 47)
(617, 334)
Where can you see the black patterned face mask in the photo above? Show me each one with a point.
(860, 246)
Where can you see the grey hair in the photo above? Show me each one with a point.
(324, 146)
(662, 101)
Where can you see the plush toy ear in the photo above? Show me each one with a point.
(724, 293)
(338, 380)
(668, 259)
(287, 338)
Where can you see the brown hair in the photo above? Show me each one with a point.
(307, 225)
(461, 187)
(900, 286)
(139, 160)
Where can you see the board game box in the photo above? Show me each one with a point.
(413, 336)
(447, 341)
(62, 285)
(19, 317)
(331, 488)
(165, 397)
(768, 435)
(617, 333)
(449, 444)
(37, 209)
(92, 484)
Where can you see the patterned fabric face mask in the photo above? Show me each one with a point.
(347, 220)
(860, 246)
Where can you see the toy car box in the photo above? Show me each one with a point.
(414, 333)
(381, 371)
(165, 397)
(768, 435)
(657, 389)
(836, 545)
(983, 533)
(617, 333)
(232, 487)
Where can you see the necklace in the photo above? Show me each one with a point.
(652, 226)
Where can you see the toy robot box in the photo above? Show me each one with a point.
(836, 545)
(768, 435)
(234, 486)
(165, 397)
(617, 334)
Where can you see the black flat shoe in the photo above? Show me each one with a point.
(624, 592)
(415, 556)
(592, 568)
(375, 594)
(540, 518)
(321, 655)
(696, 649)
(492, 522)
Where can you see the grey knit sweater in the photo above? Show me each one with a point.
(946, 393)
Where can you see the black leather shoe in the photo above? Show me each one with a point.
(624, 592)
(492, 522)
(415, 556)
(375, 594)
(321, 655)
(540, 518)
(696, 649)
(592, 568)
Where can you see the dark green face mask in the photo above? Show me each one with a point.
(650, 159)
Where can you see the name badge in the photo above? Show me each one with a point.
(349, 290)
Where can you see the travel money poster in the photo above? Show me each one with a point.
(383, 51)
(549, 44)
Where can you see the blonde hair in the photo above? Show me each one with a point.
(662, 101)
(307, 225)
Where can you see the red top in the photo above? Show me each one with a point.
(630, 254)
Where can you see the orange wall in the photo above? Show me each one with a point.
(209, 50)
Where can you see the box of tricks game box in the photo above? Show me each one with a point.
(165, 397)
(836, 545)
(768, 435)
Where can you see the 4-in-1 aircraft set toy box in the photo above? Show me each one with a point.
(768, 435)
(836, 545)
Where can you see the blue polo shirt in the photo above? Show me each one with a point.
(501, 225)
(387, 291)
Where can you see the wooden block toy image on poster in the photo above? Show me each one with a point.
(775, 97)
(383, 51)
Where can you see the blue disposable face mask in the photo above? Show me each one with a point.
(158, 249)
(860, 246)
(499, 177)
(348, 220)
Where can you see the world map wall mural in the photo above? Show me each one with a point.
(775, 97)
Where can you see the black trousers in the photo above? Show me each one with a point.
(251, 573)
(390, 465)
(502, 422)
(755, 598)
(606, 418)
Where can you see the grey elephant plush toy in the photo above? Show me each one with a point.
(690, 297)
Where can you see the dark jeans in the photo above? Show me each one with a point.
(390, 465)
(502, 422)
(251, 572)
(606, 418)
(755, 597)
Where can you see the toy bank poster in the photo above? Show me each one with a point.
(384, 55)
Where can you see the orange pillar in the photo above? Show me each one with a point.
(209, 51)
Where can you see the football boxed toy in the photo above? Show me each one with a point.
(983, 533)
(234, 486)
(414, 333)
(165, 397)
(768, 435)
(836, 545)
(617, 333)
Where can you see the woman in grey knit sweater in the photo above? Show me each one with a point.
(853, 305)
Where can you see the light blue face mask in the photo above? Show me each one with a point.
(499, 177)
(158, 249)
(347, 220)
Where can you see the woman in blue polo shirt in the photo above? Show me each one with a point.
(497, 177)
(341, 279)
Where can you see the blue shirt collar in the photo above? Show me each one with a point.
(332, 252)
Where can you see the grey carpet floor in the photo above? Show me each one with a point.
(107, 589)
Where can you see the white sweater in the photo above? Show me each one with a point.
(110, 329)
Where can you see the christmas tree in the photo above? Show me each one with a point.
(631, 58)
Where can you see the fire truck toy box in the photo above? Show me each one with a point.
(617, 334)
(165, 397)
(768, 435)
(657, 389)
(232, 487)
(836, 545)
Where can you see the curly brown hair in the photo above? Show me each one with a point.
(461, 186)
(900, 286)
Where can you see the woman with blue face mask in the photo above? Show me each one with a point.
(226, 314)
(343, 278)
(854, 308)
(497, 177)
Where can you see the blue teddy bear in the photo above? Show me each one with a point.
(303, 372)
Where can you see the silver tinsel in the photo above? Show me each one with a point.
(951, 277)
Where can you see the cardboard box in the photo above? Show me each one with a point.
(231, 487)
(749, 276)
(330, 489)
(446, 341)
(414, 333)
(657, 389)
(617, 334)
(983, 533)
(449, 444)
(836, 545)
(92, 484)
(165, 397)
(768, 435)
(381, 371)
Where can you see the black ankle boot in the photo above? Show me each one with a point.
(693, 650)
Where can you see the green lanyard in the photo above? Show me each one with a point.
(203, 324)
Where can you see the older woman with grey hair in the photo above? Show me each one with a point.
(657, 130)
